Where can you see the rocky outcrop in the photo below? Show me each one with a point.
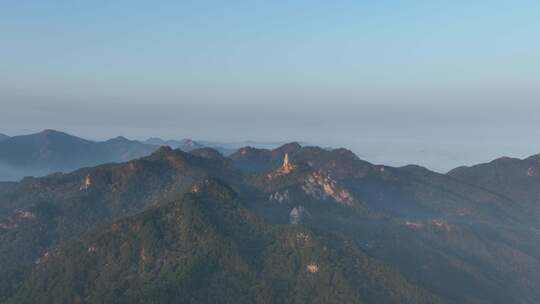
(298, 214)
(322, 186)
(280, 197)
(312, 268)
(286, 168)
(87, 182)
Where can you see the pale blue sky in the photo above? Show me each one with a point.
(407, 73)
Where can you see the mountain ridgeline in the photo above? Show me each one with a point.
(52, 151)
(293, 224)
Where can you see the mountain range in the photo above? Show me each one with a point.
(293, 224)
(53, 151)
(187, 145)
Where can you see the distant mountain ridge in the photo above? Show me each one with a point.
(225, 148)
(185, 144)
(53, 151)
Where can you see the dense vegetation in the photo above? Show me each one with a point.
(206, 248)
(124, 233)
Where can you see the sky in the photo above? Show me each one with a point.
(437, 83)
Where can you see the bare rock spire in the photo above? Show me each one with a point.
(287, 167)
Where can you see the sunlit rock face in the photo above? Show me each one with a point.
(321, 186)
(312, 268)
(286, 168)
